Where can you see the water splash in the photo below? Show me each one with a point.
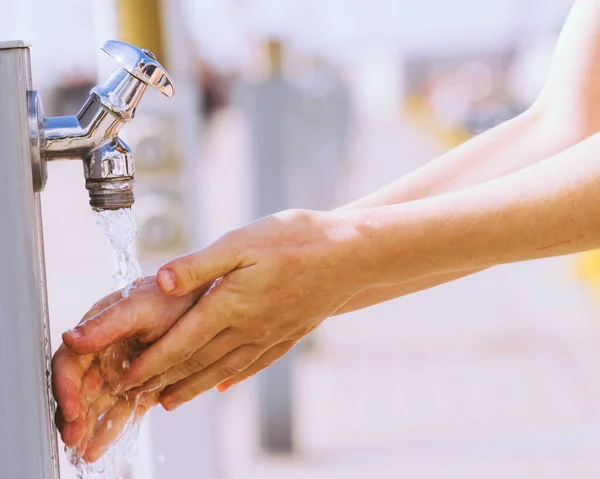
(116, 462)
(120, 228)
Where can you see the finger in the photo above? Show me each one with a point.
(147, 313)
(100, 306)
(108, 429)
(118, 321)
(91, 385)
(103, 304)
(70, 432)
(116, 359)
(222, 344)
(192, 332)
(104, 403)
(90, 424)
(190, 272)
(73, 433)
(227, 367)
(268, 358)
(147, 398)
(68, 370)
(82, 447)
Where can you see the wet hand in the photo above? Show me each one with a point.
(88, 367)
(89, 416)
(273, 282)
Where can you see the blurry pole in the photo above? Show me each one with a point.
(28, 447)
(266, 103)
(298, 131)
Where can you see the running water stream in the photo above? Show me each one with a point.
(120, 228)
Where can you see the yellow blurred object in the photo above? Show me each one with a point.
(588, 266)
(418, 112)
(140, 23)
(587, 269)
(274, 51)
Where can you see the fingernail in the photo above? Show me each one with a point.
(167, 280)
(223, 387)
(75, 333)
(171, 405)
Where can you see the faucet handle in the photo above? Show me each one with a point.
(142, 64)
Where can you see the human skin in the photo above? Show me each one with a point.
(563, 115)
(84, 384)
(282, 276)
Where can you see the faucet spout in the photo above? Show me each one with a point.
(93, 134)
(109, 176)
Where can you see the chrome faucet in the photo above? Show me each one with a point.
(93, 134)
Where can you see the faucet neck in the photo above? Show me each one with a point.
(120, 94)
(74, 137)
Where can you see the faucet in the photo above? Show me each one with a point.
(93, 134)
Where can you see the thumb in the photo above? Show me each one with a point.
(190, 272)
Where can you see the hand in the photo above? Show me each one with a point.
(85, 384)
(88, 367)
(273, 282)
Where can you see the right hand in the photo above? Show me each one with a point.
(95, 354)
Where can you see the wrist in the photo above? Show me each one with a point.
(388, 245)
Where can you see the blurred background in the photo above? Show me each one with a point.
(289, 103)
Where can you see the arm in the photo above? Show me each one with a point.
(563, 115)
(548, 209)
(282, 276)
(279, 278)
(490, 155)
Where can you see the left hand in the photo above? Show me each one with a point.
(87, 368)
(273, 282)
(89, 416)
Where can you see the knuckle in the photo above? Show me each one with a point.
(233, 240)
(256, 336)
(243, 376)
(228, 370)
(183, 353)
(190, 275)
(196, 363)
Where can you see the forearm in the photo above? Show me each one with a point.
(548, 209)
(516, 144)
(563, 115)
(380, 294)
